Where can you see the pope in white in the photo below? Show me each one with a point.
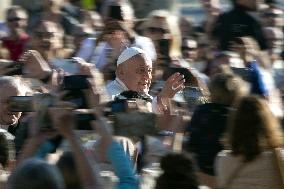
(134, 72)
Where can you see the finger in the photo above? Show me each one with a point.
(172, 77)
(179, 88)
(176, 78)
(178, 83)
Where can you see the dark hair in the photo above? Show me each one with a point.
(253, 128)
(4, 155)
(35, 174)
(67, 167)
(179, 172)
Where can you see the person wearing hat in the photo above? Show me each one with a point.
(134, 72)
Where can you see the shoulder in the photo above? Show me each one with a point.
(114, 88)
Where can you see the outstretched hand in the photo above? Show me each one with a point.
(174, 84)
(34, 65)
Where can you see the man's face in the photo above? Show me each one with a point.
(7, 117)
(136, 73)
(45, 37)
(17, 20)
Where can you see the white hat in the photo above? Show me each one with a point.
(129, 53)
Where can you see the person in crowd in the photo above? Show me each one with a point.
(186, 26)
(259, 76)
(17, 40)
(178, 172)
(272, 16)
(162, 27)
(10, 86)
(47, 39)
(189, 53)
(51, 11)
(253, 134)
(238, 23)
(118, 34)
(7, 156)
(274, 37)
(212, 9)
(84, 43)
(35, 174)
(144, 8)
(134, 72)
(209, 122)
(110, 44)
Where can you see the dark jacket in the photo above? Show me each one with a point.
(205, 129)
(237, 23)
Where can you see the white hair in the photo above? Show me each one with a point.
(15, 82)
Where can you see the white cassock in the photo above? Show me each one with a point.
(116, 87)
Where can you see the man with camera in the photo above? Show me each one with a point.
(134, 72)
(10, 86)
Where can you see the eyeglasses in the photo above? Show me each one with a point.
(44, 34)
(15, 19)
(157, 30)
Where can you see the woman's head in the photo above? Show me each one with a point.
(35, 174)
(226, 88)
(162, 25)
(253, 128)
(67, 167)
(47, 37)
(246, 47)
(178, 172)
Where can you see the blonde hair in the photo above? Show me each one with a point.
(253, 128)
(172, 23)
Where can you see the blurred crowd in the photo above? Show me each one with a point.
(126, 94)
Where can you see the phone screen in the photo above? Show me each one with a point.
(68, 65)
(20, 104)
(75, 82)
(83, 120)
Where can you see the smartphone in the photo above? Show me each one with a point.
(134, 124)
(75, 82)
(20, 104)
(16, 66)
(68, 65)
(83, 119)
(77, 97)
(42, 102)
(115, 12)
(244, 73)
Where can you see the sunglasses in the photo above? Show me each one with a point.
(188, 49)
(44, 34)
(157, 30)
(270, 14)
(15, 19)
